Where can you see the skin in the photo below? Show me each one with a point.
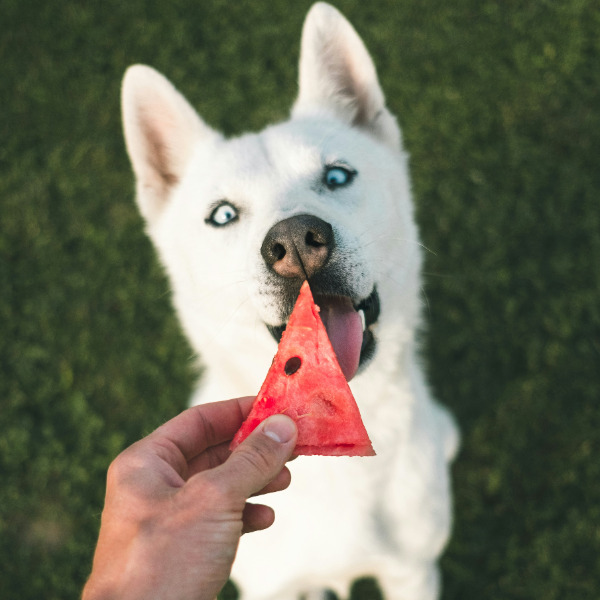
(176, 504)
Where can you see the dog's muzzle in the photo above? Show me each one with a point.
(301, 248)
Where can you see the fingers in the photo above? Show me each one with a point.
(257, 517)
(257, 461)
(281, 482)
(209, 459)
(217, 455)
(204, 426)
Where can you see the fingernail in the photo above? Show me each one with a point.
(279, 428)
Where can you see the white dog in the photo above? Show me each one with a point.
(238, 223)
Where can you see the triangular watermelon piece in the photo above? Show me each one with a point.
(306, 383)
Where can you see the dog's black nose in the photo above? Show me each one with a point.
(298, 247)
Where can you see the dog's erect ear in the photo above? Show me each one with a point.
(337, 74)
(161, 130)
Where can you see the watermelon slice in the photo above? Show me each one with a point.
(306, 383)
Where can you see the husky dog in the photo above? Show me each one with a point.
(238, 225)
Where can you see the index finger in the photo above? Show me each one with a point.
(206, 425)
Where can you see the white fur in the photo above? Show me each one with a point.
(387, 516)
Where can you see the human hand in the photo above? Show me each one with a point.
(175, 505)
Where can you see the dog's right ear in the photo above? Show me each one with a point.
(161, 130)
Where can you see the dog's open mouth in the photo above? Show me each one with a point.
(349, 327)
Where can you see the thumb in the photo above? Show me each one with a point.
(261, 456)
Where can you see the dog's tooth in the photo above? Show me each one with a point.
(361, 312)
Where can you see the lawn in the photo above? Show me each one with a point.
(500, 108)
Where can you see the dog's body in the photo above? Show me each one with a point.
(211, 205)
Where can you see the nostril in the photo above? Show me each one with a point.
(314, 241)
(278, 251)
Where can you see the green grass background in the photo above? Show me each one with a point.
(500, 106)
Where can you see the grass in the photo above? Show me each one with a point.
(500, 107)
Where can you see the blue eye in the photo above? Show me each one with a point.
(336, 177)
(223, 214)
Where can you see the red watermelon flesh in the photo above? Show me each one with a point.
(306, 383)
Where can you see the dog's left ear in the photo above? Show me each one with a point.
(338, 75)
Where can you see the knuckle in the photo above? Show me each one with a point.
(118, 470)
(123, 467)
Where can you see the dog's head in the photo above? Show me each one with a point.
(240, 223)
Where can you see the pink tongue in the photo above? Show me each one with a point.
(344, 328)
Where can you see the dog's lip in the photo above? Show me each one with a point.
(370, 309)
